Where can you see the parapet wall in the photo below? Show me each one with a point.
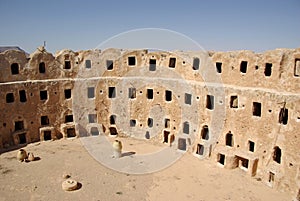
(241, 109)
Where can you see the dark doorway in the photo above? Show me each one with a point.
(131, 61)
(42, 67)
(19, 125)
(113, 131)
(152, 65)
(200, 149)
(243, 66)
(182, 144)
(14, 68)
(268, 69)
(47, 135)
(219, 67)
(196, 63)
(277, 155)
(210, 102)
(22, 94)
(229, 139)
(186, 127)
(71, 132)
(94, 131)
(22, 138)
(221, 159)
(205, 132)
(172, 62)
(283, 116)
(166, 136)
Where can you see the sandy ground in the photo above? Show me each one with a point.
(187, 179)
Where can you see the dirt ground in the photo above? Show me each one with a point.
(187, 179)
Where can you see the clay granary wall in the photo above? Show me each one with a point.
(239, 108)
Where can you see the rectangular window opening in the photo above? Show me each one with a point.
(243, 66)
(132, 93)
(132, 122)
(68, 93)
(200, 149)
(22, 138)
(196, 63)
(152, 64)
(67, 64)
(221, 159)
(43, 95)
(210, 99)
(167, 123)
(172, 62)
(219, 67)
(10, 98)
(256, 109)
(112, 119)
(251, 146)
(150, 122)
(19, 125)
(91, 92)
(131, 61)
(88, 64)
(188, 99)
(268, 69)
(22, 94)
(92, 118)
(14, 69)
(150, 93)
(283, 116)
(297, 68)
(168, 95)
(68, 118)
(44, 120)
(234, 102)
(111, 92)
(186, 127)
(109, 64)
(42, 67)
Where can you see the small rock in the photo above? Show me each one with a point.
(66, 176)
(69, 185)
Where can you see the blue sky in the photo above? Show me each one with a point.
(216, 25)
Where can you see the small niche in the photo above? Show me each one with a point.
(200, 149)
